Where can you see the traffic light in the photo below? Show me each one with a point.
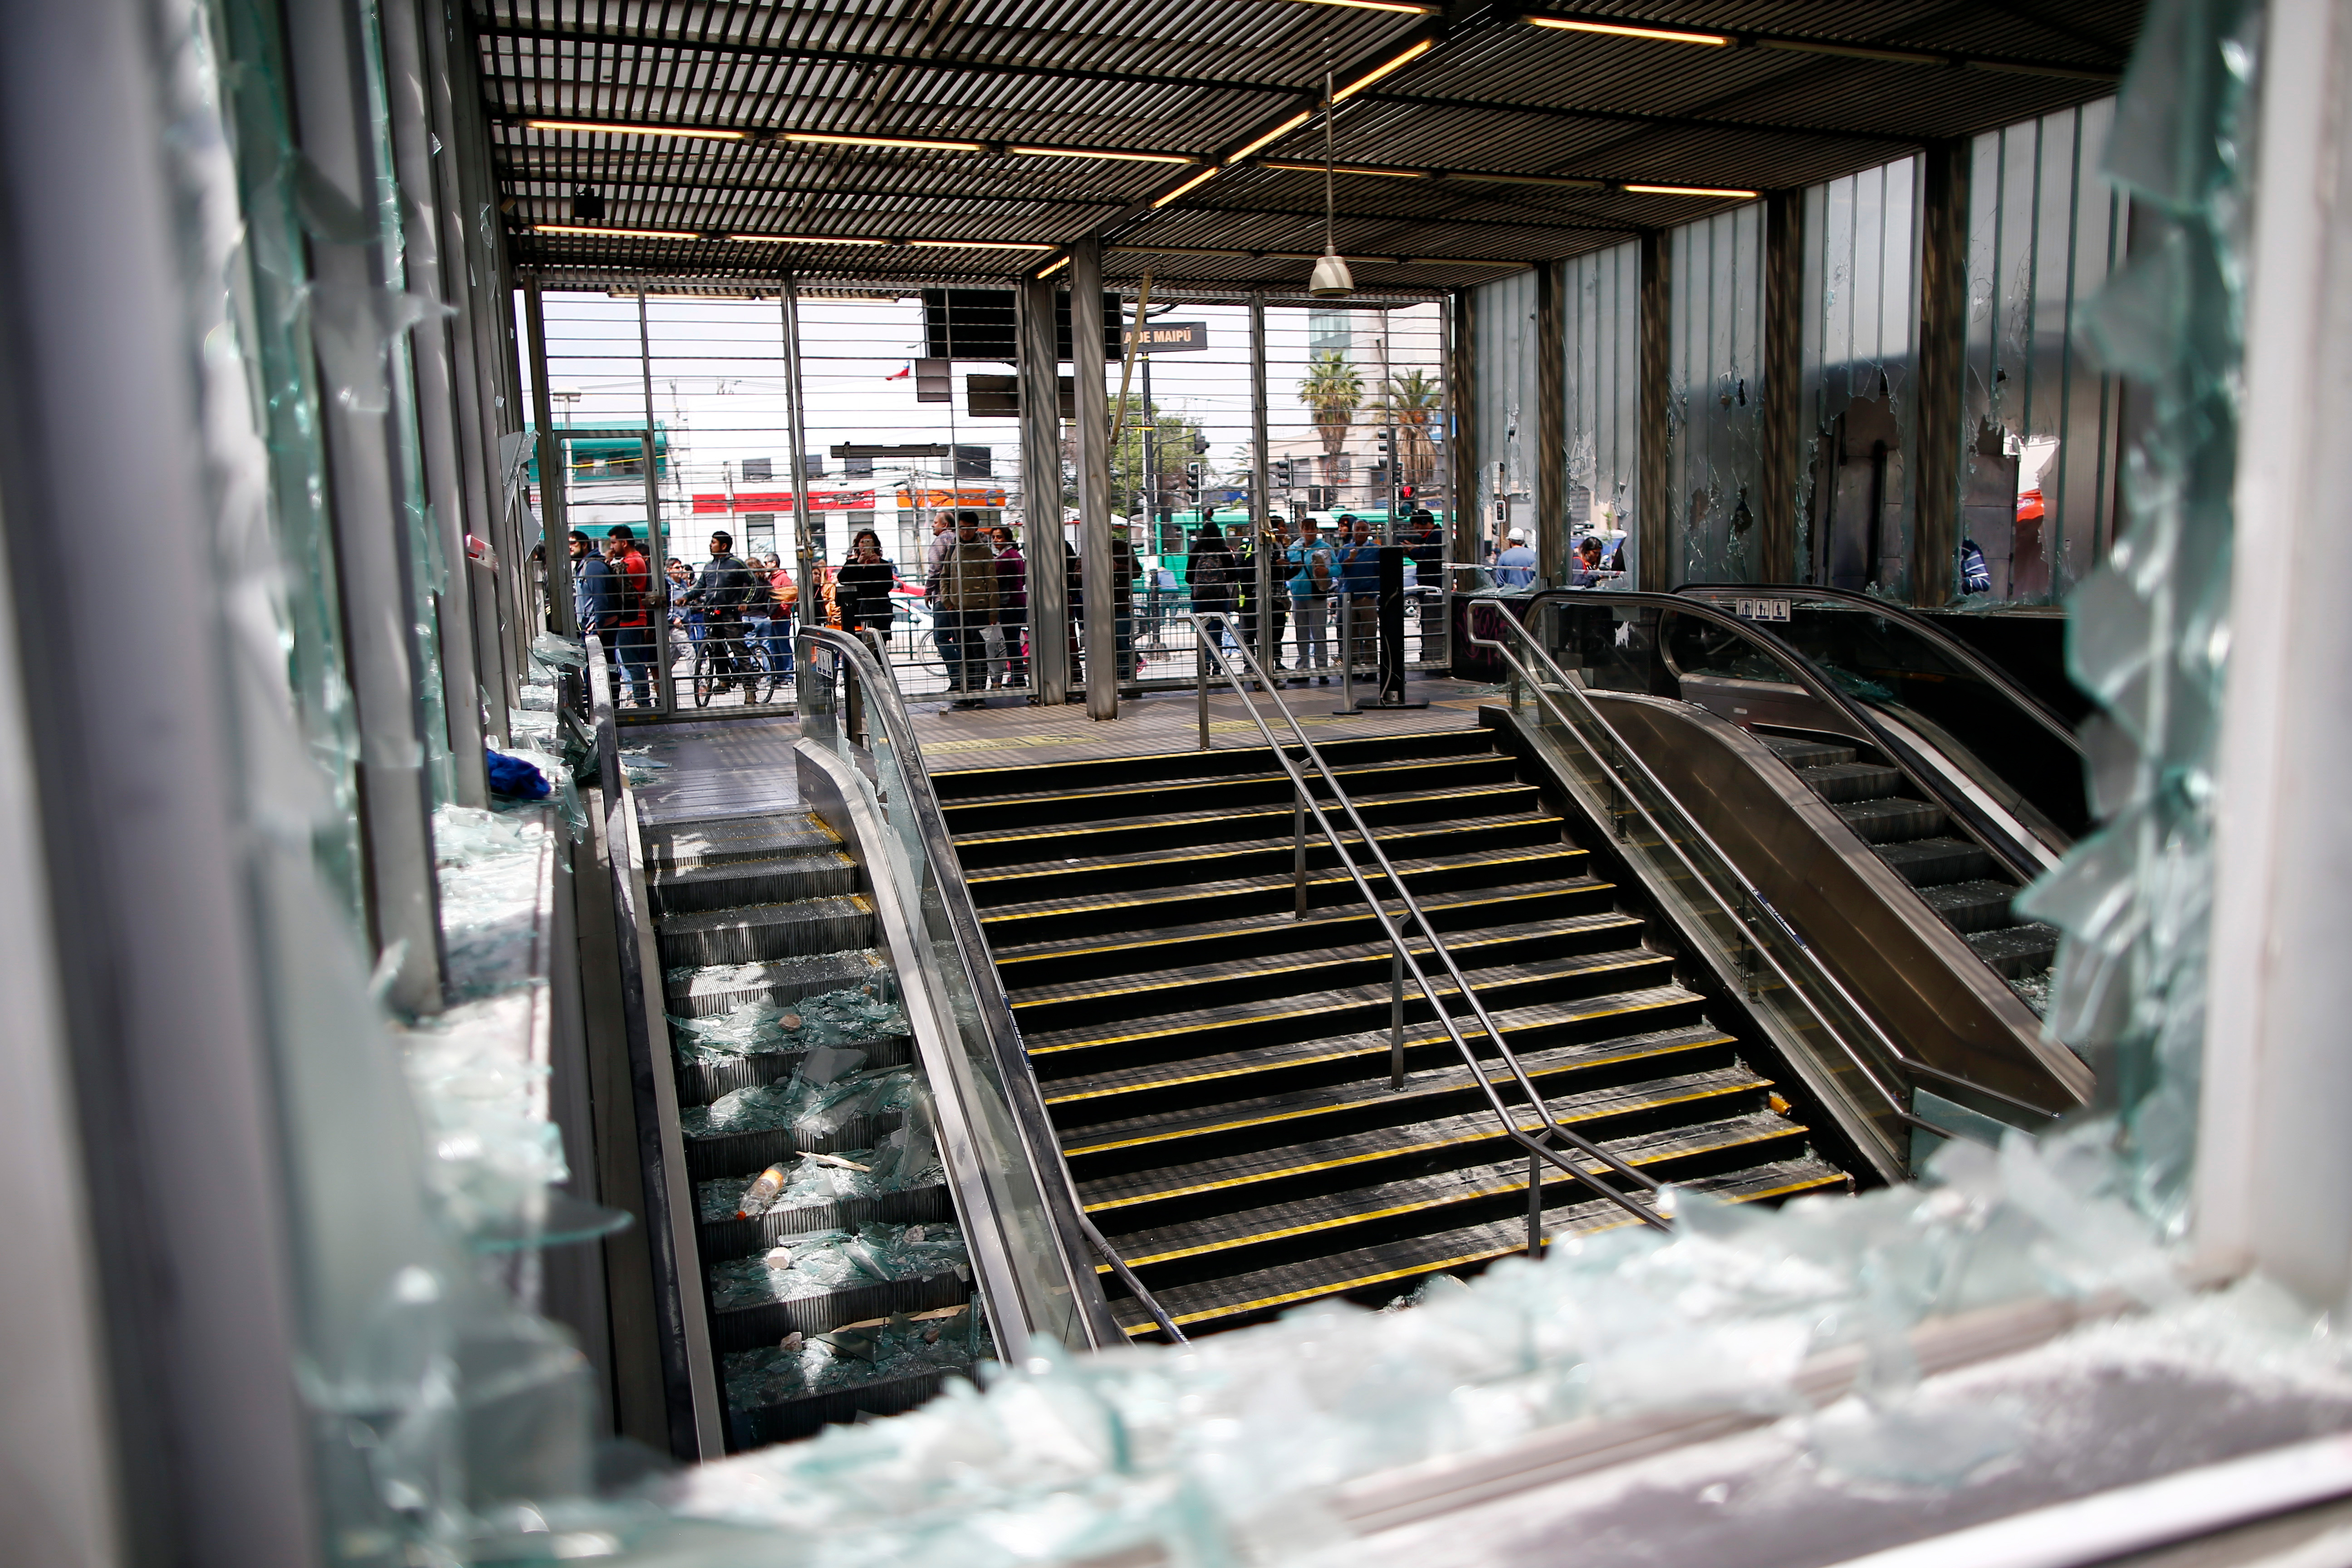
(1387, 440)
(1193, 483)
(1285, 474)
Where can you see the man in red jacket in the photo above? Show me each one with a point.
(633, 590)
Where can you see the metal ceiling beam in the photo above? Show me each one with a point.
(1798, 43)
(510, 178)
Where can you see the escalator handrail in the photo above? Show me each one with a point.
(1946, 643)
(1207, 645)
(1818, 684)
(1039, 1145)
(1689, 831)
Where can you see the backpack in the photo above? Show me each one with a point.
(629, 598)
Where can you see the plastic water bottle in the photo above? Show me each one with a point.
(760, 1193)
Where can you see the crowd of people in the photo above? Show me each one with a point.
(974, 587)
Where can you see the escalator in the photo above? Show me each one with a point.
(1886, 793)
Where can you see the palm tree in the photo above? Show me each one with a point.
(1334, 391)
(1414, 400)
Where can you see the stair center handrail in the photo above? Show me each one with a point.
(1686, 830)
(1207, 647)
(882, 698)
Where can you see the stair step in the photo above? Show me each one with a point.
(1192, 1250)
(1251, 824)
(1381, 1273)
(1282, 1020)
(757, 932)
(1094, 914)
(1891, 820)
(1169, 867)
(1051, 810)
(1254, 936)
(1145, 993)
(1368, 1124)
(716, 841)
(957, 785)
(730, 883)
(1842, 782)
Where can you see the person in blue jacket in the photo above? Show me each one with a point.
(1356, 560)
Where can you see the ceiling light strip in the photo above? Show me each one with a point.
(976, 244)
(1279, 131)
(1396, 63)
(1690, 191)
(802, 239)
(614, 233)
(1052, 267)
(913, 143)
(1101, 153)
(1626, 30)
(1195, 183)
(1400, 6)
(591, 128)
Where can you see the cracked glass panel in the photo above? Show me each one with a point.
(1503, 337)
(2039, 445)
(1602, 294)
(1860, 336)
(1715, 394)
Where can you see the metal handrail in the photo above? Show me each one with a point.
(995, 1013)
(1206, 646)
(1629, 761)
(1816, 684)
(1946, 643)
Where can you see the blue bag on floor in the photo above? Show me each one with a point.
(516, 779)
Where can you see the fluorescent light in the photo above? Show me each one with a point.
(1099, 152)
(1346, 169)
(1622, 30)
(917, 145)
(1203, 178)
(1053, 267)
(1285, 128)
(802, 239)
(1689, 191)
(1379, 6)
(1397, 64)
(613, 232)
(977, 244)
(693, 131)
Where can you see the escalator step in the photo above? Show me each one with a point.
(1803, 753)
(1890, 820)
(1977, 905)
(757, 932)
(718, 841)
(1842, 782)
(2018, 950)
(1931, 862)
(708, 992)
(731, 883)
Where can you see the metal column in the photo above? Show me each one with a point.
(804, 549)
(1655, 555)
(1782, 467)
(657, 553)
(1551, 428)
(1093, 399)
(1261, 492)
(1041, 478)
(1943, 369)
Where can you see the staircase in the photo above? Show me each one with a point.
(1959, 879)
(1217, 1071)
(765, 909)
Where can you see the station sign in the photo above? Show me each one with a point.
(1168, 337)
(1760, 609)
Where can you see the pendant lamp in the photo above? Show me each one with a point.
(1330, 279)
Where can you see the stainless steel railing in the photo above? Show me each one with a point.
(871, 715)
(1404, 961)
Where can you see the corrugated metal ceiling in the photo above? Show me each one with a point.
(1201, 79)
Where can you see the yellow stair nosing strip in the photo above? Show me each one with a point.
(1324, 962)
(1140, 824)
(1171, 892)
(1030, 868)
(1600, 919)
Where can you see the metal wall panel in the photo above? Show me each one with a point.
(1715, 393)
